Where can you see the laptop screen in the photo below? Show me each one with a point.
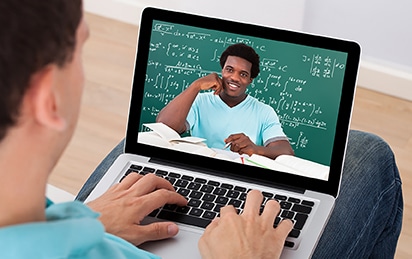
(307, 81)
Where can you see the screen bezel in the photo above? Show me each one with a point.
(231, 169)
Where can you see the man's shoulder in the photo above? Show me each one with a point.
(54, 238)
(206, 98)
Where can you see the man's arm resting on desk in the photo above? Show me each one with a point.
(242, 144)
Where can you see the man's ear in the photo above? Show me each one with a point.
(43, 99)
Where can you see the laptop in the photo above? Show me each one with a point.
(308, 80)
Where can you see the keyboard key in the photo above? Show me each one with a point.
(194, 203)
(161, 172)
(300, 220)
(267, 194)
(226, 186)
(217, 208)
(183, 192)
(207, 205)
(171, 180)
(181, 183)
(240, 189)
(301, 208)
(209, 215)
(289, 244)
(308, 203)
(232, 194)
(209, 197)
(222, 200)
(235, 203)
(196, 195)
(277, 221)
(194, 186)
(149, 169)
(214, 183)
(220, 191)
(207, 188)
(287, 214)
(174, 175)
(285, 205)
(200, 180)
(182, 218)
(280, 197)
(183, 209)
(196, 212)
(294, 200)
(187, 178)
(136, 167)
(294, 233)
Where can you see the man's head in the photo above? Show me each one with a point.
(240, 65)
(35, 35)
(242, 51)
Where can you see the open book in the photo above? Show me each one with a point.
(164, 136)
(291, 164)
(168, 134)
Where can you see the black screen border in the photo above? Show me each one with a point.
(232, 169)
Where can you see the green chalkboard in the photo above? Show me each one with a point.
(303, 84)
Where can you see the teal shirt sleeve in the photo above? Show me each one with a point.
(72, 230)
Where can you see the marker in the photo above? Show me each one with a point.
(227, 145)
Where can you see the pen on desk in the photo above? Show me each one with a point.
(227, 145)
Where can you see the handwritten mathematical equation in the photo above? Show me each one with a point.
(322, 66)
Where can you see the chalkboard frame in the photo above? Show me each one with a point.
(237, 170)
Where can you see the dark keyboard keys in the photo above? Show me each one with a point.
(174, 175)
(300, 220)
(207, 197)
(207, 188)
(187, 178)
(301, 209)
(207, 205)
(194, 186)
(182, 218)
(308, 203)
(209, 215)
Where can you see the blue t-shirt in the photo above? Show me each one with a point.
(72, 230)
(212, 119)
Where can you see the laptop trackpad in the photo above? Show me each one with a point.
(182, 246)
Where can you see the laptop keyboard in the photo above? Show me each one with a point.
(206, 197)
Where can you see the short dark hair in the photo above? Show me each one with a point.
(243, 51)
(33, 34)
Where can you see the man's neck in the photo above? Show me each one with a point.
(232, 101)
(24, 172)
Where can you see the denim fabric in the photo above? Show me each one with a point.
(367, 218)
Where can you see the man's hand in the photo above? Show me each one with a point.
(240, 143)
(211, 81)
(248, 235)
(125, 205)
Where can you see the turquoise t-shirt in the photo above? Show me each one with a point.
(212, 119)
(72, 230)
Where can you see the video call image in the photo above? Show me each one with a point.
(294, 97)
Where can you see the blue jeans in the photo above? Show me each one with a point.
(367, 218)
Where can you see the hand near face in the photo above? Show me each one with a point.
(125, 205)
(248, 235)
(211, 81)
(240, 143)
